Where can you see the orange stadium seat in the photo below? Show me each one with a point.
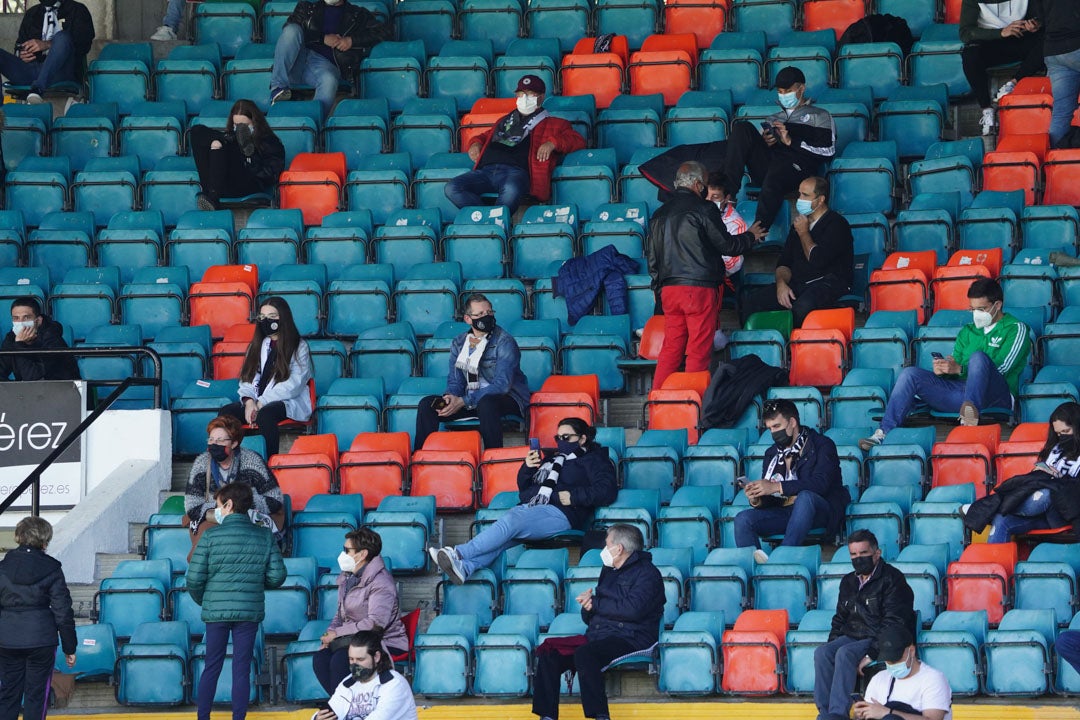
(982, 579)
(964, 463)
(704, 19)
(563, 396)
(316, 193)
(247, 274)
(667, 72)
(446, 467)
(1062, 178)
(677, 404)
(1030, 432)
(950, 285)
(498, 471)
(835, 15)
(989, 258)
(227, 358)
(1015, 457)
(599, 75)
(652, 338)
(1036, 85)
(1024, 114)
(494, 106)
(952, 11)
(219, 305)
(1012, 171)
(903, 282)
(753, 653)
(619, 46)
(819, 349)
(309, 468)
(473, 124)
(376, 465)
(988, 435)
(1038, 143)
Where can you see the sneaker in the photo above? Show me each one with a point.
(1064, 260)
(71, 101)
(761, 557)
(245, 139)
(1004, 90)
(163, 34)
(873, 441)
(280, 95)
(450, 563)
(963, 510)
(969, 414)
(34, 99)
(986, 122)
(719, 340)
(433, 553)
(203, 202)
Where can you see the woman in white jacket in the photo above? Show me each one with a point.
(274, 376)
(373, 690)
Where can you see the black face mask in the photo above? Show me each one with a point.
(361, 673)
(268, 326)
(781, 438)
(484, 324)
(217, 452)
(1067, 445)
(864, 564)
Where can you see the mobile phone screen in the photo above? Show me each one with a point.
(534, 444)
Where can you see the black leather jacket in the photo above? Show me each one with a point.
(687, 242)
(358, 23)
(864, 612)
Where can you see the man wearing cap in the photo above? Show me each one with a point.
(872, 598)
(792, 145)
(516, 156)
(908, 689)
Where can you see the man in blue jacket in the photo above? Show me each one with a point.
(623, 616)
(800, 489)
(485, 380)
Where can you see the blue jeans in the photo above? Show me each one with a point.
(294, 64)
(1064, 73)
(509, 181)
(985, 387)
(836, 667)
(58, 66)
(521, 522)
(1035, 513)
(174, 13)
(217, 644)
(1068, 647)
(809, 511)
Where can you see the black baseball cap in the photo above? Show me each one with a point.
(789, 76)
(892, 642)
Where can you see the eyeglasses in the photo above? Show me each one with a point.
(275, 316)
(568, 437)
(218, 441)
(480, 315)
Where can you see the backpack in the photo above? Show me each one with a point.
(880, 28)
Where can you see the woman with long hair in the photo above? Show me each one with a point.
(246, 158)
(274, 376)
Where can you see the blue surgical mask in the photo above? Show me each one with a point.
(788, 100)
(218, 515)
(898, 670)
(567, 446)
(804, 207)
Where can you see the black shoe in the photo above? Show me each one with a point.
(245, 139)
(205, 202)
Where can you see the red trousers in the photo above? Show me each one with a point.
(690, 321)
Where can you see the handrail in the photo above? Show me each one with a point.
(34, 478)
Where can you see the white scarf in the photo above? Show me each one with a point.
(547, 475)
(51, 24)
(794, 449)
(468, 361)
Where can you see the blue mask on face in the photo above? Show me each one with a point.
(788, 100)
(898, 670)
(567, 446)
(804, 207)
(218, 516)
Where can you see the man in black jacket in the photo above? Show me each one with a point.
(623, 614)
(1061, 48)
(54, 38)
(30, 330)
(687, 245)
(320, 42)
(801, 486)
(817, 265)
(873, 597)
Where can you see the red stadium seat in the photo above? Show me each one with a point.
(982, 579)
(704, 19)
(818, 357)
(619, 46)
(1036, 85)
(1030, 432)
(952, 11)
(333, 162)
(677, 404)
(563, 396)
(498, 471)
(475, 124)
(903, 282)
(753, 653)
(309, 468)
(1015, 457)
(951, 283)
(599, 75)
(989, 258)
(669, 41)
(375, 466)
(1037, 143)
(840, 319)
(835, 15)
(667, 72)
(1012, 171)
(447, 467)
(247, 274)
(220, 305)
(652, 338)
(962, 464)
(316, 193)
(988, 435)
(1024, 114)
(227, 358)
(1062, 178)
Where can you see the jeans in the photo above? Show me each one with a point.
(267, 420)
(774, 173)
(836, 667)
(1064, 73)
(25, 676)
(1035, 513)
(489, 410)
(58, 66)
(587, 660)
(509, 181)
(985, 387)
(1068, 647)
(294, 64)
(521, 522)
(174, 13)
(217, 642)
(809, 511)
(690, 314)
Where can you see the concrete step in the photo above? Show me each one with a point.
(107, 562)
(82, 600)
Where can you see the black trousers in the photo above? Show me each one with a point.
(587, 660)
(979, 57)
(267, 420)
(222, 172)
(489, 411)
(819, 295)
(773, 172)
(24, 682)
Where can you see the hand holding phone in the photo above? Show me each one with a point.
(533, 457)
(937, 356)
(766, 128)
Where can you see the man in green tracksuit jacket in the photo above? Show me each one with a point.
(233, 564)
(983, 371)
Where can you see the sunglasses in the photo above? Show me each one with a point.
(568, 437)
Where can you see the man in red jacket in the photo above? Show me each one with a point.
(516, 156)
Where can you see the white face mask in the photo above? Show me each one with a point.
(526, 103)
(17, 327)
(606, 558)
(982, 318)
(332, 2)
(345, 562)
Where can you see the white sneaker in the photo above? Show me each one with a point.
(34, 99)
(1004, 90)
(986, 122)
(761, 557)
(433, 553)
(876, 439)
(450, 563)
(163, 34)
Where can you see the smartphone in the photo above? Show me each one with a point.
(534, 444)
(439, 403)
(937, 356)
(856, 697)
(766, 128)
(323, 705)
(740, 482)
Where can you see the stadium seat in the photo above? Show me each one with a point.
(152, 669)
(753, 653)
(447, 467)
(982, 579)
(722, 582)
(690, 655)
(376, 464)
(787, 581)
(597, 74)
(563, 396)
(1018, 653)
(955, 644)
(309, 468)
(776, 18)
(503, 657)
(564, 20)
(444, 656)
(348, 406)
(705, 19)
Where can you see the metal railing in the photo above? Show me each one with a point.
(13, 6)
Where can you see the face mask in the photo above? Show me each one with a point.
(345, 562)
(606, 558)
(781, 438)
(218, 515)
(484, 324)
(17, 327)
(804, 207)
(864, 564)
(1067, 444)
(218, 453)
(788, 100)
(268, 326)
(361, 673)
(566, 446)
(898, 670)
(526, 104)
(332, 2)
(982, 318)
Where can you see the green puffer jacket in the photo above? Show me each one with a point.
(231, 567)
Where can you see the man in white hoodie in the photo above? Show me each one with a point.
(373, 690)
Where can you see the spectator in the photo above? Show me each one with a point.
(794, 145)
(817, 265)
(35, 608)
(718, 193)
(1046, 497)
(170, 24)
(54, 39)
(367, 600)
(320, 42)
(983, 372)
(484, 381)
(275, 374)
(223, 463)
(373, 688)
(623, 616)
(232, 566)
(516, 157)
(30, 330)
(908, 688)
(872, 598)
(687, 245)
(557, 494)
(800, 489)
(998, 33)
(245, 159)
(1061, 50)
(1067, 647)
